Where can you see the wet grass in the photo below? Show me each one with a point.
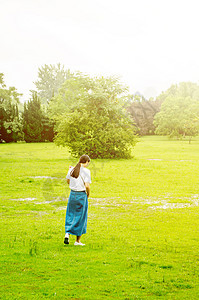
(140, 244)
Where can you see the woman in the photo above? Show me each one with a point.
(79, 180)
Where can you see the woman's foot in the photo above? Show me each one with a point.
(66, 239)
(79, 244)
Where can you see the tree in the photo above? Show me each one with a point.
(47, 133)
(37, 127)
(143, 112)
(32, 119)
(179, 116)
(10, 120)
(50, 79)
(91, 118)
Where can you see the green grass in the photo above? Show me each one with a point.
(142, 236)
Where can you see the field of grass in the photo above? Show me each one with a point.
(142, 239)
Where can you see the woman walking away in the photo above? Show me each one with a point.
(79, 180)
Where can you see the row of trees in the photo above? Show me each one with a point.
(95, 115)
(17, 122)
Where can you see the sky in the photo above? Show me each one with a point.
(148, 44)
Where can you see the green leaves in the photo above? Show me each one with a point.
(10, 122)
(179, 116)
(36, 126)
(91, 119)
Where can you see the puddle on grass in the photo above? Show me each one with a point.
(160, 159)
(52, 201)
(153, 203)
(25, 199)
(155, 159)
(164, 204)
(44, 177)
(107, 202)
(171, 206)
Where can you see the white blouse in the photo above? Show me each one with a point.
(78, 184)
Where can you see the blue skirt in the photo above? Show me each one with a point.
(76, 213)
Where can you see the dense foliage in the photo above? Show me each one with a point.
(10, 121)
(91, 118)
(95, 115)
(179, 115)
(36, 126)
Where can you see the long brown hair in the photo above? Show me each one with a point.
(75, 172)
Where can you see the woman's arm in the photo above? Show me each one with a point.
(68, 181)
(88, 189)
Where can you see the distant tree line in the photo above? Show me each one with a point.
(28, 123)
(95, 115)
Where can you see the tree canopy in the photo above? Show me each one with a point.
(183, 89)
(179, 116)
(50, 79)
(91, 118)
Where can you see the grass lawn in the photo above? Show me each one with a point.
(142, 239)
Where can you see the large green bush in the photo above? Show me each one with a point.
(91, 119)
